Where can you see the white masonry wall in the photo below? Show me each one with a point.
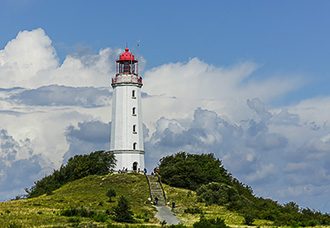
(125, 143)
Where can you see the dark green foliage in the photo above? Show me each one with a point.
(100, 217)
(193, 210)
(217, 193)
(110, 225)
(163, 223)
(74, 220)
(249, 219)
(15, 225)
(122, 212)
(95, 163)
(177, 226)
(111, 193)
(83, 212)
(214, 185)
(210, 223)
(192, 170)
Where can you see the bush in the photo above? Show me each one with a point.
(192, 170)
(15, 225)
(110, 225)
(77, 212)
(74, 220)
(248, 219)
(100, 217)
(111, 193)
(122, 212)
(193, 210)
(210, 223)
(217, 193)
(177, 226)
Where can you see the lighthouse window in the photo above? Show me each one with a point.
(134, 111)
(134, 129)
(134, 146)
(126, 67)
(133, 94)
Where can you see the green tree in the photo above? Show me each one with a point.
(111, 193)
(217, 193)
(192, 170)
(79, 166)
(122, 212)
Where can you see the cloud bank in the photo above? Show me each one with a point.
(50, 111)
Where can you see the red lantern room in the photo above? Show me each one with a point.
(126, 64)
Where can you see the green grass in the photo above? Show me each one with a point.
(90, 193)
(184, 199)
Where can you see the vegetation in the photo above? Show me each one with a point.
(211, 197)
(122, 212)
(190, 171)
(215, 186)
(111, 193)
(210, 223)
(79, 166)
(77, 202)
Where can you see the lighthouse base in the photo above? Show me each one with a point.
(129, 160)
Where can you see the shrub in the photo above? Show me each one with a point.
(311, 223)
(192, 170)
(210, 223)
(77, 212)
(74, 220)
(122, 212)
(193, 210)
(110, 225)
(100, 217)
(177, 226)
(248, 219)
(111, 193)
(14, 225)
(163, 223)
(217, 193)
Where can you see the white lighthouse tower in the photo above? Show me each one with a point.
(126, 126)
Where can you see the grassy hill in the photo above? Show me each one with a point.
(90, 193)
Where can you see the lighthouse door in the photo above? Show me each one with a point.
(135, 166)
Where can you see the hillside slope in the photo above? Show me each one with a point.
(89, 192)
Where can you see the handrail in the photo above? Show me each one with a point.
(149, 186)
(161, 185)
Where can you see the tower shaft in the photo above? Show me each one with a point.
(126, 127)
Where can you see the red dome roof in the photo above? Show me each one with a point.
(126, 56)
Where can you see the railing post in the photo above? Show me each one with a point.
(149, 187)
(161, 185)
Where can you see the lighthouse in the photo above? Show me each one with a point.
(126, 126)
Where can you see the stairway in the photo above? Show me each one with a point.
(156, 190)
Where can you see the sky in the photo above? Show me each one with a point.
(245, 80)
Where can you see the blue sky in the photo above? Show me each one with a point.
(246, 80)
